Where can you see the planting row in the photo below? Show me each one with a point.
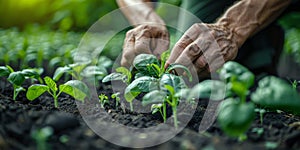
(164, 88)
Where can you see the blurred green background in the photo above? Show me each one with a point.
(57, 14)
(50, 30)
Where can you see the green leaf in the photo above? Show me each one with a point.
(91, 71)
(105, 62)
(155, 96)
(10, 68)
(175, 81)
(142, 63)
(275, 93)
(76, 89)
(16, 78)
(78, 67)
(239, 88)
(31, 73)
(234, 117)
(4, 71)
(113, 77)
(156, 107)
(164, 56)
(125, 72)
(51, 84)
(233, 71)
(209, 89)
(34, 91)
(178, 66)
(142, 84)
(60, 71)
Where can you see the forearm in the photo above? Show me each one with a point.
(142, 13)
(247, 17)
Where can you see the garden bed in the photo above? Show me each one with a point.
(19, 119)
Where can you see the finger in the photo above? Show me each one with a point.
(200, 63)
(194, 51)
(161, 44)
(128, 49)
(189, 36)
(142, 42)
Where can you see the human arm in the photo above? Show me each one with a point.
(149, 34)
(208, 46)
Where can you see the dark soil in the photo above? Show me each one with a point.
(19, 119)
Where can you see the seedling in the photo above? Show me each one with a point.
(17, 78)
(274, 93)
(103, 99)
(259, 131)
(261, 114)
(74, 88)
(79, 71)
(41, 137)
(117, 98)
(165, 93)
(144, 75)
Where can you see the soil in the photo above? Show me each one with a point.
(19, 119)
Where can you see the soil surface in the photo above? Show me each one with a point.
(21, 118)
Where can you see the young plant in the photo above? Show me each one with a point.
(274, 93)
(165, 94)
(117, 98)
(79, 71)
(74, 88)
(261, 114)
(103, 99)
(121, 73)
(17, 78)
(41, 137)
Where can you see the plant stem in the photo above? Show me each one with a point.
(15, 92)
(55, 102)
(175, 116)
(164, 112)
(131, 106)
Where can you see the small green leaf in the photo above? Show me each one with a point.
(60, 71)
(76, 89)
(234, 117)
(156, 107)
(78, 67)
(31, 73)
(34, 91)
(142, 84)
(51, 84)
(4, 71)
(155, 96)
(91, 71)
(178, 66)
(142, 62)
(275, 93)
(209, 89)
(164, 56)
(170, 89)
(125, 72)
(10, 68)
(175, 81)
(113, 77)
(233, 71)
(16, 78)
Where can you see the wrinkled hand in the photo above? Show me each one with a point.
(206, 47)
(149, 39)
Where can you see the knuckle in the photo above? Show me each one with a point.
(129, 33)
(181, 45)
(193, 49)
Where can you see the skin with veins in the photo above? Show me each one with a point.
(205, 47)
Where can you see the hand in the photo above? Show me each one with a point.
(206, 47)
(149, 39)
